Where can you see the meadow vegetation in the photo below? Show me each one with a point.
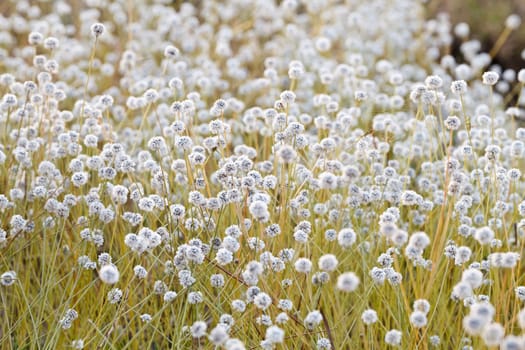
(255, 174)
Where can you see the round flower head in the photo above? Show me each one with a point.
(234, 344)
(114, 296)
(282, 318)
(462, 255)
(218, 335)
(8, 278)
(422, 305)
(140, 271)
(324, 344)
(51, 43)
(490, 78)
(238, 305)
(461, 291)
(274, 335)
(369, 317)
(473, 325)
(393, 337)
(433, 82)
(217, 280)
(109, 274)
(346, 237)
(513, 22)
(483, 310)
(198, 329)
(262, 301)
(35, 38)
(521, 73)
(303, 265)
(328, 262)
(462, 30)
(66, 321)
(511, 342)
(171, 52)
(419, 240)
(458, 87)
(473, 277)
(452, 122)
(77, 344)
(418, 319)
(146, 318)
(287, 96)
(286, 154)
(224, 256)
(259, 210)
(97, 29)
(347, 282)
(285, 304)
(169, 296)
(484, 235)
(313, 319)
(323, 44)
(104, 259)
(435, 340)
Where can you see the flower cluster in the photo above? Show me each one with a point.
(247, 174)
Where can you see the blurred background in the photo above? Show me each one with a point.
(486, 19)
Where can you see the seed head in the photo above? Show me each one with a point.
(458, 87)
(97, 29)
(8, 278)
(328, 262)
(513, 22)
(393, 337)
(172, 52)
(490, 78)
(347, 282)
(369, 317)
(418, 319)
(109, 274)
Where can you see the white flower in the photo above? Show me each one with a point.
(198, 329)
(490, 78)
(328, 262)
(109, 274)
(458, 87)
(274, 334)
(313, 319)
(262, 301)
(484, 235)
(473, 277)
(97, 29)
(145, 318)
(393, 337)
(422, 305)
(369, 317)
(224, 256)
(8, 278)
(77, 344)
(473, 325)
(303, 265)
(513, 21)
(286, 154)
(346, 237)
(418, 319)
(171, 52)
(169, 296)
(347, 282)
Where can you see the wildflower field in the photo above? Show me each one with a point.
(258, 174)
